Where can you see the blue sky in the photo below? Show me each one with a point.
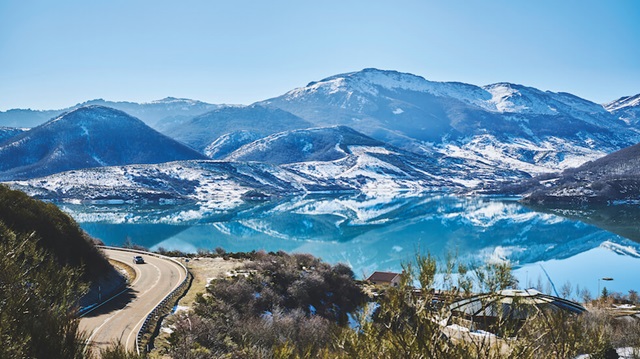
(54, 54)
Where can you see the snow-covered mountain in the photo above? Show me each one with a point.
(505, 126)
(347, 159)
(90, 136)
(317, 144)
(355, 160)
(626, 109)
(230, 142)
(365, 169)
(167, 109)
(212, 182)
(321, 160)
(202, 131)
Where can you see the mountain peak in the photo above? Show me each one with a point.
(94, 114)
(362, 87)
(363, 80)
(90, 136)
(176, 100)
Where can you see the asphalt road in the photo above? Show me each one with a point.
(120, 318)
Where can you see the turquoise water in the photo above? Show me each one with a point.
(380, 233)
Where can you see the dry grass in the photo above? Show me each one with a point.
(203, 270)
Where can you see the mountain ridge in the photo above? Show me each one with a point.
(536, 131)
(150, 112)
(201, 131)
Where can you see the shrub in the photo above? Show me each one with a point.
(288, 304)
(284, 309)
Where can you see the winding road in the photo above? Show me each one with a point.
(120, 318)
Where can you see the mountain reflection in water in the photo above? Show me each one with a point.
(380, 233)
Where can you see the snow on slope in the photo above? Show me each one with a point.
(227, 143)
(551, 155)
(216, 182)
(314, 144)
(511, 98)
(199, 181)
(502, 126)
(499, 97)
(7, 133)
(370, 81)
(375, 170)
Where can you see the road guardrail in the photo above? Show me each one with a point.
(164, 307)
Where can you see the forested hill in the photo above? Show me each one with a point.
(53, 230)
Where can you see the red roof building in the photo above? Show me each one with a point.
(386, 278)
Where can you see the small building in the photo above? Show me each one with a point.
(385, 278)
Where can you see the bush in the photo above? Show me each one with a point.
(295, 306)
(288, 304)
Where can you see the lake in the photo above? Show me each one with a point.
(380, 233)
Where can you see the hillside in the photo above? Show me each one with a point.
(611, 179)
(53, 230)
(319, 144)
(229, 142)
(46, 266)
(91, 136)
(222, 184)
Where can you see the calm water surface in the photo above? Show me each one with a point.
(380, 233)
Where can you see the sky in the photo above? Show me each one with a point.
(54, 54)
